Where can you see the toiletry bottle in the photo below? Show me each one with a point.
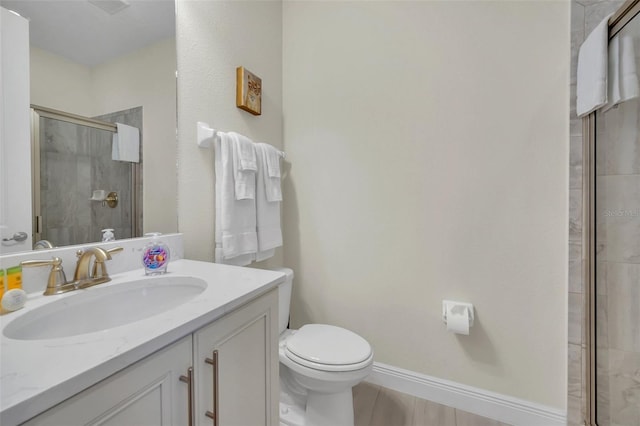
(1, 282)
(14, 277)
(107, 235)
(155, 256)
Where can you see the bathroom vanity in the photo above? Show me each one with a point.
(209, 360)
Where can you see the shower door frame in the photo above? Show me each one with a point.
(38, 112)
(629, 10)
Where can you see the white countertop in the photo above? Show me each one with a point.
(37, 374)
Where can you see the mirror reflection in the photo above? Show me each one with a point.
(115, 62)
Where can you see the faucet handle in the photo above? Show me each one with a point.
(57, 281)
(99, 269)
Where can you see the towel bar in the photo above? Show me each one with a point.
(207, 134)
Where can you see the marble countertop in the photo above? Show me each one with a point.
(38, 374)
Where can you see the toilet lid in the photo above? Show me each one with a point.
(328, 345)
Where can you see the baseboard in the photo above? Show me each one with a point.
(493, 405)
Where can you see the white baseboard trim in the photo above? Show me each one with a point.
(484, 403)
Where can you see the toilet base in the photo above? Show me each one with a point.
(329, 409)
(321, 410)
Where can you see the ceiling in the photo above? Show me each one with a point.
(82, 32)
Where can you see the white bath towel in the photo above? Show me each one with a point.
(622, 76)
(267, 212)
(271, 166)
(592, 70)
(126, 144)
(244, 166)
(235, 219)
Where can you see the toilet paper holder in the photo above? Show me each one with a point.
(450, 304)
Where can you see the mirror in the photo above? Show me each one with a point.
(98, 58)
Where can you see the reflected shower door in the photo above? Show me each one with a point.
(75, 160)
(617, 258)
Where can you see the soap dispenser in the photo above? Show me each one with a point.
(107, 235)
(156, 255)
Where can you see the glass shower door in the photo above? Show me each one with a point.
(617, 234)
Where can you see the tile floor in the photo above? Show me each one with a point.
(378, 406)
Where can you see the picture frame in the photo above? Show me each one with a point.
(248, 91)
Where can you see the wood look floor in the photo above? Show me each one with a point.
(378, 406)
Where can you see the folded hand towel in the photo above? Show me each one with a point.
(267, 212)
(126, 144)
(592, 70)
(622, 77)
(244, 166)
(235, 219)
(271, 167)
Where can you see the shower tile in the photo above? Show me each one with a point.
(576, 318)
(574, 369)
(625, 387)
(575, 215)
(575, 412)
(575, 124)
(596, 12)
(621, 210)
(573, 115)
(624, 306)
(575, 153)
(575, 177)
(575, 277)
(575, 267)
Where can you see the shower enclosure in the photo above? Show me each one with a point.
(612, 211)
(72, 159)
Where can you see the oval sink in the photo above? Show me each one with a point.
(103, 308)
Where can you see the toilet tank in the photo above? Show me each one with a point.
(284, 299)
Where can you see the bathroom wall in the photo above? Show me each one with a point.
(585, 15)
(143, 78)
(429, 144)
(213, 38)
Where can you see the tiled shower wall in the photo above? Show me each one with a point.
(585, 15)
(75, 160)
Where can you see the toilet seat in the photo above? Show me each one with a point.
(328, 348)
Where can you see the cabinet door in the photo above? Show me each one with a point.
(247, 366)
(147, 393)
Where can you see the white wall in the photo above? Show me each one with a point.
(213, 38)
(428, 144)
(59, 83)
(147, 78)
(144, 78)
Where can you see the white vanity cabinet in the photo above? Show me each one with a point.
(236, 367)
(148, 392)
(244, 380)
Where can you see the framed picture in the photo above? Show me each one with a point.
(248, 91)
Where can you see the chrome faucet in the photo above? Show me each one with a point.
(82, 278)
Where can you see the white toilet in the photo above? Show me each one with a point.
(319, 364)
